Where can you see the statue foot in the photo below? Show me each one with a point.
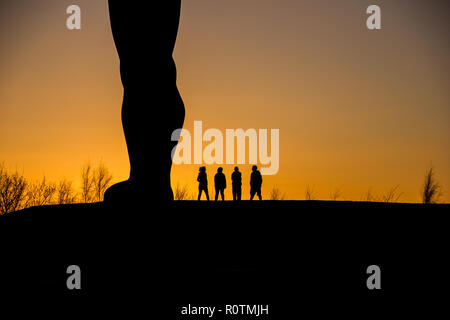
(130, 193)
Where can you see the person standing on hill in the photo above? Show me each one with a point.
(202, 183)
(255, 183)
(236, 180)
(220, 183)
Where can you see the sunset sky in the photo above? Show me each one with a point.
(357, 109)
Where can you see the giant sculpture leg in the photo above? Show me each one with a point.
(144, 33)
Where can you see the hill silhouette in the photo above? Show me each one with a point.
(227, 252)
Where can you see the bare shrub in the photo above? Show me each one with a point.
(94, 182)
(368, 196)
(12, 190)
(87, 183)
(310, 193)
(182, 193)
(432, 190)
(65, 194)
(40, 193)
(101, 179)
(275, 194)
(392, 195)
(336, 194)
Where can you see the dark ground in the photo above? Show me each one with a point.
(297, 256)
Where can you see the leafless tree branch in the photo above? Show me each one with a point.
(65, 193)
(101, 181)
(12, 190)
(40, 193)
(392, 195)
(432, 190)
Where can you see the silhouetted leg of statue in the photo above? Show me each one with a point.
(145, 34)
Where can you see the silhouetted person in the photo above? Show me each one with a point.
(236, 182)
(220, 183)
(255, 183)
(202, 182)
(152, 108)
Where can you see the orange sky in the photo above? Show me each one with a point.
(356, 109)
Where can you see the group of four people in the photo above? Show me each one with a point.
(220, 183)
